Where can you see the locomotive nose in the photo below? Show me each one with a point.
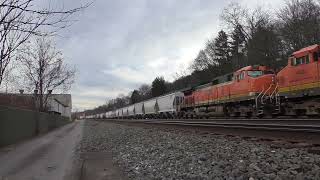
(262, 83)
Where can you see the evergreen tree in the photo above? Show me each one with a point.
(238, 48)
(135, 97)
(222, 53)
(264, 47)
(158, 87)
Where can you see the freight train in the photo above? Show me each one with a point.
(252, 91)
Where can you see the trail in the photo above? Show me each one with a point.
(47, 157)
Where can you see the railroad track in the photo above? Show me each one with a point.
(296, 125)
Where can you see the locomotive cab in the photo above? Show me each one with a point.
(301, 75)
(253, 80)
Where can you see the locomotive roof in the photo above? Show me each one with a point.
(217, 81)
(306, 49)
(254, 67)
(204, 86)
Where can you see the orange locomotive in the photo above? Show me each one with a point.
(245, 95)
(299, 83)
(257, 91)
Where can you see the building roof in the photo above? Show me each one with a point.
(64, 99)
(60, 102)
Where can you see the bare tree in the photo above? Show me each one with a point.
(10, 80)
(234, 16)
(145, 91)
(247, 21)
(181, 72)
(44, 69)
(19, 20)
(299, 23)
(202, 61)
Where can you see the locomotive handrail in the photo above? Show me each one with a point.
(274, 91)
(258, 97)
(264, 93)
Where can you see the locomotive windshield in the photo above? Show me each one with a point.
(255, 73)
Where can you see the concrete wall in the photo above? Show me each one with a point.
(18, 124)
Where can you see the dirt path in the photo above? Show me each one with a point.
(47, 157)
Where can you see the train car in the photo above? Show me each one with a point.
(139, 110)
(113, 114)
(151, 108)
(169, 104)
(131, 111)
(244, 95)
(299, 83)
(117, 114)
(108, 115)
(120, 111)
(125, 113)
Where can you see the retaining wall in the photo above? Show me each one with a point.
(17, 124)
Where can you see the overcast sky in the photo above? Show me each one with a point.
(117, 45)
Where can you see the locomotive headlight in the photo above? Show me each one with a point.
(273, 79)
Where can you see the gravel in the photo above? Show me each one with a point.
(153, 153)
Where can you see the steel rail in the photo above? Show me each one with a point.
(255, 121)
(244, 126)
(311, 126)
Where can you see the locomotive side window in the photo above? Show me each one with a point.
(293, 62)
(307, 59)
(236, 78)
(241, 75)
(300, 60)
(255, 73)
